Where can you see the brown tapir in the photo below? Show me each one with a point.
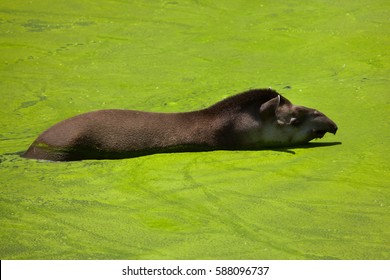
(255, 119)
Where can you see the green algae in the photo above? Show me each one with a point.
(59, 59)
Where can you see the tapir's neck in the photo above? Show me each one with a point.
(207, 129)
(197, 129)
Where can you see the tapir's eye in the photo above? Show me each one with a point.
(295, 121)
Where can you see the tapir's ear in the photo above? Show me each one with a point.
(268, 109)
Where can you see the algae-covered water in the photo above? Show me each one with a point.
(62, 58)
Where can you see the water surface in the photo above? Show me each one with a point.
(58, 59)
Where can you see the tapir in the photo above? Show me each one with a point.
(255, 119)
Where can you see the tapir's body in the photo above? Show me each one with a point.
(252, 120)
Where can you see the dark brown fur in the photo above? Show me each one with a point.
(112, 134)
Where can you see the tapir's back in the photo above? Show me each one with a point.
(111, 133)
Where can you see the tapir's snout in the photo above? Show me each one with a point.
(334, 129)
(332, 126)
(324, 125)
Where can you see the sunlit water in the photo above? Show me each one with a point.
(61, 58)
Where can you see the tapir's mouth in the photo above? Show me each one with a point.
(319, 133)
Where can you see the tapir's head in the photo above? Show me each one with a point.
(287, 124)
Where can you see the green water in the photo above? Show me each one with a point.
(61, 58)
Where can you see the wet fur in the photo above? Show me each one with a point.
(233, 123)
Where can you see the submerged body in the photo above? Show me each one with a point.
(254, 119)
